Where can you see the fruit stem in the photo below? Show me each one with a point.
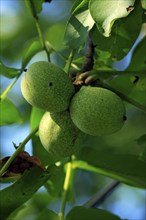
(65, 190)
(69, 61)
(21, 146)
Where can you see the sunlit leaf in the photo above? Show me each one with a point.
(106, 12)
(32, 49)
(7, 71)
(78, 25)
(125, 168)
(9, 114)
(143, 3)
(80, 213)
(124, 34)
(22, 190)
(47, 214)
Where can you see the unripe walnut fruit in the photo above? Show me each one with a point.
(97, 111)
(46, 86)
(59, 135)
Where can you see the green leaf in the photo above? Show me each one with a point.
(15, 214)
(9, 113)
(78, 25)
(124, 34)
(55, 184)
(123, 167)
(30, 51)
(103, 62)
(128, 85)
(122, 83)
(18, 193)
(138, 93)
(47, 214)
(7, 71)
(139, 81)
(142, 139)
(80, 213)
(105, 13)
(36, 115)
(138, 61)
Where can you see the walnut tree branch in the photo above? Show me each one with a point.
(89, 56)
(100, 196)
(88, 62)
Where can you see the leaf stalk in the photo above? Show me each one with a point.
(65, 190)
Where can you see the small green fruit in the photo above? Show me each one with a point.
(59, 135)
(46, 86)
(97, 111)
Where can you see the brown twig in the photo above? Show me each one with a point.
(100, 196)
(89, 56)
(88, 63)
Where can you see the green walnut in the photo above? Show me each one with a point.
(46, 86)
(97, 111)
(59, 135)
